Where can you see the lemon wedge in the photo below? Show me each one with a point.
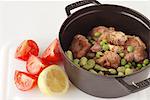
(53, 81)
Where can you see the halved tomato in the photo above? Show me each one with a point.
(24, 81)
(35, 65)
(52, 53)
(26, 48)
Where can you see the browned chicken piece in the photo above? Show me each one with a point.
(134, 41)
(139, 52)
(96, 47)
(129, 57)
(102, 29)
(109, 59)
(115, 38)
(80, 46)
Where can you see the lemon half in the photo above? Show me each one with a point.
(53, 81)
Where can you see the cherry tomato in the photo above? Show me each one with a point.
(24, 81)
(26, 48)
(35, 65)
(52, 53)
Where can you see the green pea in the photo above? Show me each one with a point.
(143, 65)
(128, 71)
(93, 71)
(87, 66)
(91, 62)
(112, 71)
(139, 66)
(121, 54)
(101, 73)
(146, 62)
(98, 54)
(123, 62)
(103, 42)
(120, 74)
(83, 61)
(69, 54)
(130, 48)
(76, 62)
(133, 64)
(105, 47)
(97, 34)
(121, 69)
(127, 66)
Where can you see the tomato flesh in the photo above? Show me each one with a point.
(35, 65)
(24, 81)
(25, 49)
(52, 53)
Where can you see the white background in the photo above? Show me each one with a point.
(41, 21)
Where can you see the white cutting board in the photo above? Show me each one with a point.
(41, 22)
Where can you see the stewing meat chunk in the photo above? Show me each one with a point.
(109, 59)
(80, 46)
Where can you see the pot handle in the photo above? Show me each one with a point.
(135, 86)
(79, 4)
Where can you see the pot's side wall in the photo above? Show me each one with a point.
(99, 86)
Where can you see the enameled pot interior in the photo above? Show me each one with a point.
(104, 16)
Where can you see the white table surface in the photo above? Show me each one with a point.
(41, 21)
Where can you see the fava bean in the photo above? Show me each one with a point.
(91, 62)
(101, 73)
(121, 69)
(112, 71)
(76, 62)
(98, 67)
(93, 71)
(128, 71)
(120, 74)
(83, 61)
(69, 54)
(87, 66)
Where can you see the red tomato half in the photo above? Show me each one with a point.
(52, 53)
(26, 48)
(24, 81)
(35, 65)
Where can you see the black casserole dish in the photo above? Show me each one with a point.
(123, 19)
